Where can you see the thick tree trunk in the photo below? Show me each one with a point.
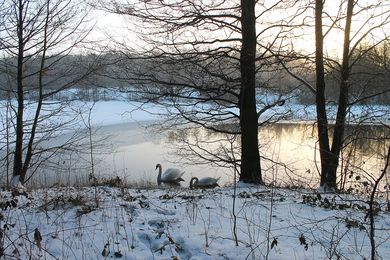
(322, 119)
(18, 156)
(250, 157)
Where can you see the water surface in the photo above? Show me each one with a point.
(289, 155)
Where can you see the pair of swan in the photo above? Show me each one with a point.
(172, 176)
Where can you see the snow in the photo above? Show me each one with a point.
(116, 112)
(122, 111)
(178, 223)
(103, 113)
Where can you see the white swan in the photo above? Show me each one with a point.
(171, 176)
(204, 183)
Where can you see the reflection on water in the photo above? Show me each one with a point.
(361, 158)
(290, 154)
(288, 150)
(295, 146)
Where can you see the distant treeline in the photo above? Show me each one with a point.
(107, 79)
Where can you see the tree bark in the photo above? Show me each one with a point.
(322, 119)
(250, 157)
(18, 156)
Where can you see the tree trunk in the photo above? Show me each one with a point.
(338, 134)
(18, 157)
(322, 119)
(29, 151)
(250, 157)
(330, 157)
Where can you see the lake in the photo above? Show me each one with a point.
(289, 155)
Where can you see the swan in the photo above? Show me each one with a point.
(204, 183)
(171, 176)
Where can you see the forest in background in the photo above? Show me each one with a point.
(369, 79)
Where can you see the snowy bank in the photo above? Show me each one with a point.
(121, 223)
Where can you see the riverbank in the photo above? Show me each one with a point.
(164, 223)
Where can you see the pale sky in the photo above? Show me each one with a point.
(117, 27)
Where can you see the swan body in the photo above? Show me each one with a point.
(204, 183)
(170, 176)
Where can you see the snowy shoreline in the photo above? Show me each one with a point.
(121, 223)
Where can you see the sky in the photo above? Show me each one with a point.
(118, 28)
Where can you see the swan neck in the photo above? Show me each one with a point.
(159, 175)
(193, 182)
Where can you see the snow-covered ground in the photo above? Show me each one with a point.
(177, 223)
(166, 223)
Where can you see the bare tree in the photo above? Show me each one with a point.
(37, 40)
(372, 211)
(206, 64)
(346, 20)
(330, 154)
